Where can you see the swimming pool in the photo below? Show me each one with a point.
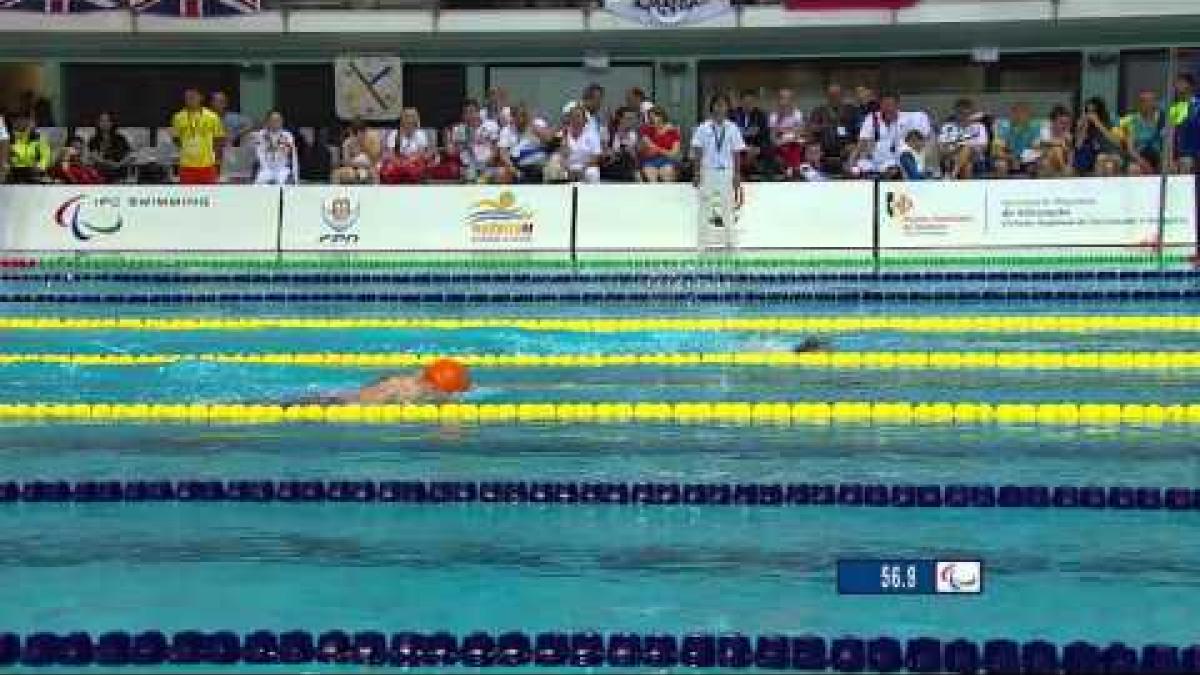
(731, 521)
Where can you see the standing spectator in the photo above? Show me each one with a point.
(476, 142)
(237, 157)
(533, 145)
(1095, 140)
(718, 176)
(787, 133)
(1185, 118)
(831, 125)
(4, 142)
(660, 152)
(38, 108)
(496, 107)
(199, 133)
(1142, 135)
(754, 126)
(108, 149)
(882, 135)
(1018, 138)
(29, 153)
(69, 167)
(406, 151)
(275, 150)
(637, 100)
(963, 142)
(621, 163)
(361, 153)
(579, 156)
(1057, 145)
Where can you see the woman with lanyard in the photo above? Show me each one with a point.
(275, 148)
(717, 143)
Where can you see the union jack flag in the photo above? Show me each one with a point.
(60, 6)
(196, 9)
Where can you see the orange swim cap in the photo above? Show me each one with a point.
(447, 376)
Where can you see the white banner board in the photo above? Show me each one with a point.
(1114, 212)
(449, 218)
(138, 218)
(668, 12)
(775, 216)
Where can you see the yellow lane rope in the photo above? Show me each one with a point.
(735, 413)
(806, 324)
(866, 360)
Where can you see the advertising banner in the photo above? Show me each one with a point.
(1112, 212)
(668, 12)
(775, 216)
(449, 218)
(138, 218)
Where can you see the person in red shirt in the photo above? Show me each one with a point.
(70, 168)
(660, 146)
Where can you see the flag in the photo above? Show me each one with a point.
(814, 5)
(60, 6)
(195, 9)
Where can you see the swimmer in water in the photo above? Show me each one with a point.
(442, 378)
(813, 344)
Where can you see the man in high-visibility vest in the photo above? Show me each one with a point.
(29, 154)
(1184, 116)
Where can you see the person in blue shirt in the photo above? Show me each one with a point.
(912, 156)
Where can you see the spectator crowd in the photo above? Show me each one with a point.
(859, 134)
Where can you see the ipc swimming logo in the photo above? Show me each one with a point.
(89, 218)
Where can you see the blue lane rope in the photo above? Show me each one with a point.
(609, 493)
(589, 649)
(680, 297)
(584, 276)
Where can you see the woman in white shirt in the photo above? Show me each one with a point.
(406, 152)
(275, 152)
(530, 147)
(717, 144)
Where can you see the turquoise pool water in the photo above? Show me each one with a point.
(1052, 574)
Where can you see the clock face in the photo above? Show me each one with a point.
(370, 87)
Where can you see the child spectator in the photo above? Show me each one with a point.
(1095, 139)
(1142, 135)
(406, 152)
(275, 153)
(912, 156)
(660, 148)
(787, 133)
(108, 150)
(361, 151)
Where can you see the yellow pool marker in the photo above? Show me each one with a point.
(835, 360)
(766, 413)
(790, 324)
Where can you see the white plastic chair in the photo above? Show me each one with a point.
(138, 137)
(55, 136)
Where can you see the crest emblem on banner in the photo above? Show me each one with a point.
(668, 12)
(370, 87)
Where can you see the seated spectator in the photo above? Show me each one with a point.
(108, 150)
(756, 133)
(533, 144)
(1142, 135)
(636, 100)
(963, 142)
(787, 133)
(578, 158)
(593, 108)
(496, 107)
(1056, 147)
(623, 159)
(407, 151)
(882, 136)
(660, 149)
(199, 134)
(831, 126)
(476, 143)
(361, 153)
(3, 149)
(1017, 140)
(814, 163)
(275, 151)
(69, 167)
(912, 156)
(1095, 140)
(29, 153)
(1185, 119)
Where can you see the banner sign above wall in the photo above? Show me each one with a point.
(668, 12)
(827, 5)
(136, 218)
(370, 87)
